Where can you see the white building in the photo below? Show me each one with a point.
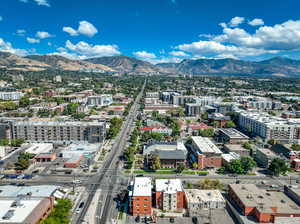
(75, 150)
(169, 194)
(198, 200)
(270, 127)
(39, 148)
(100, 100)
(11, 95)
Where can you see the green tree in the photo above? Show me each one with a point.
(247, 145)
(155, 164)
(24, 101)
(207, 184)
(235, 166)
(195, 166)
(207, 132)
(180, 168)
(230, 124)
(61, 213)
(295, 147)
(248, 163)
(278, 166)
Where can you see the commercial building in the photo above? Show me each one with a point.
(152, 94)
(198, 200)
(73, 162)
(38, 148)
(25, 210)
(182, 100)
(100, 100)
(238, 149)
(140, 196)
(45, 157)
(228, 157)
(169, 195)
(84, 150)
(231, 136)
(205, 153)
(160, 108)
(11, 95)
(59, 132)
(263, 156)
(270, 127)
(219, 118)
(265, 206)
(171, 154)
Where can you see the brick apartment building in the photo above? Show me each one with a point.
(141, 197)
(205, 153)
(169, 195)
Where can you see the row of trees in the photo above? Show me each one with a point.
(239, 166)
(61, 213)
(115, 126)
(132, 149)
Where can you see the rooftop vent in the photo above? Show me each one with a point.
(8, 214)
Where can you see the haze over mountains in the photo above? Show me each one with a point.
(278, 66)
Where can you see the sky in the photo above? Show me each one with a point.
(152, 30)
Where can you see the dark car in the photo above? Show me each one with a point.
(172, 220)
(195, 220)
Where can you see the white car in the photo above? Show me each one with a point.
(76, 181)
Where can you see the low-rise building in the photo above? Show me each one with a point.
(239, 149)
(39, 148)
(11, 95)
(263, 156)
(140, 196)
(171, 154)
(198, 200)
(100, 100)
(231, 136)
(193, 109)
(228, 157)
(169, 195)
(205, 153)
(25, 210)
(265, 206)
(45, 157)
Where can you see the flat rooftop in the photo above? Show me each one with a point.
(235, 147)
(198, 196)
(142, 186)
(18, 213)
(233, 133)
(252, 196)
(169, 186)
(34, 191)
(205, 145)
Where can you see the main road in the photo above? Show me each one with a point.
(110, 170)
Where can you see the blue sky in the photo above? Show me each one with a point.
(153, 30)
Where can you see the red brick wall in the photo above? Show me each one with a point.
(180, 200)
(204, 161)
(142, 206)
(158, 200)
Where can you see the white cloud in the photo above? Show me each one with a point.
(84, 28)
(7, 47)
(144, 55)
(256, 22)
(20, 32)
(178, 54)
(42, 2)
(235, 21)
(213, 47)
(88, 50)
(25, 1)
(71, 56)
(32, 40)
(43, 34)
(1, 18)
(70, 31)
(285, 36)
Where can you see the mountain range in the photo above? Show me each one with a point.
(277, 66)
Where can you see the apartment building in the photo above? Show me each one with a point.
(205, 153)
(182, 100)
(199, 200)
(169, 195)
(59, 132)
(11, 95)
(270, 127)
(100, 100)
(140, 196)
(193, 109)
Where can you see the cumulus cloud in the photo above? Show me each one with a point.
(32, 40)
(42, 2)
(43, 34)
(285, 36)
(20, 32)
(235, 21)
(213, 47)
(70, 31)
(88, 50)
(256, 22)
(38, 2)
(85, 28)
(178, 54)
(144, 55)
(7, 47)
